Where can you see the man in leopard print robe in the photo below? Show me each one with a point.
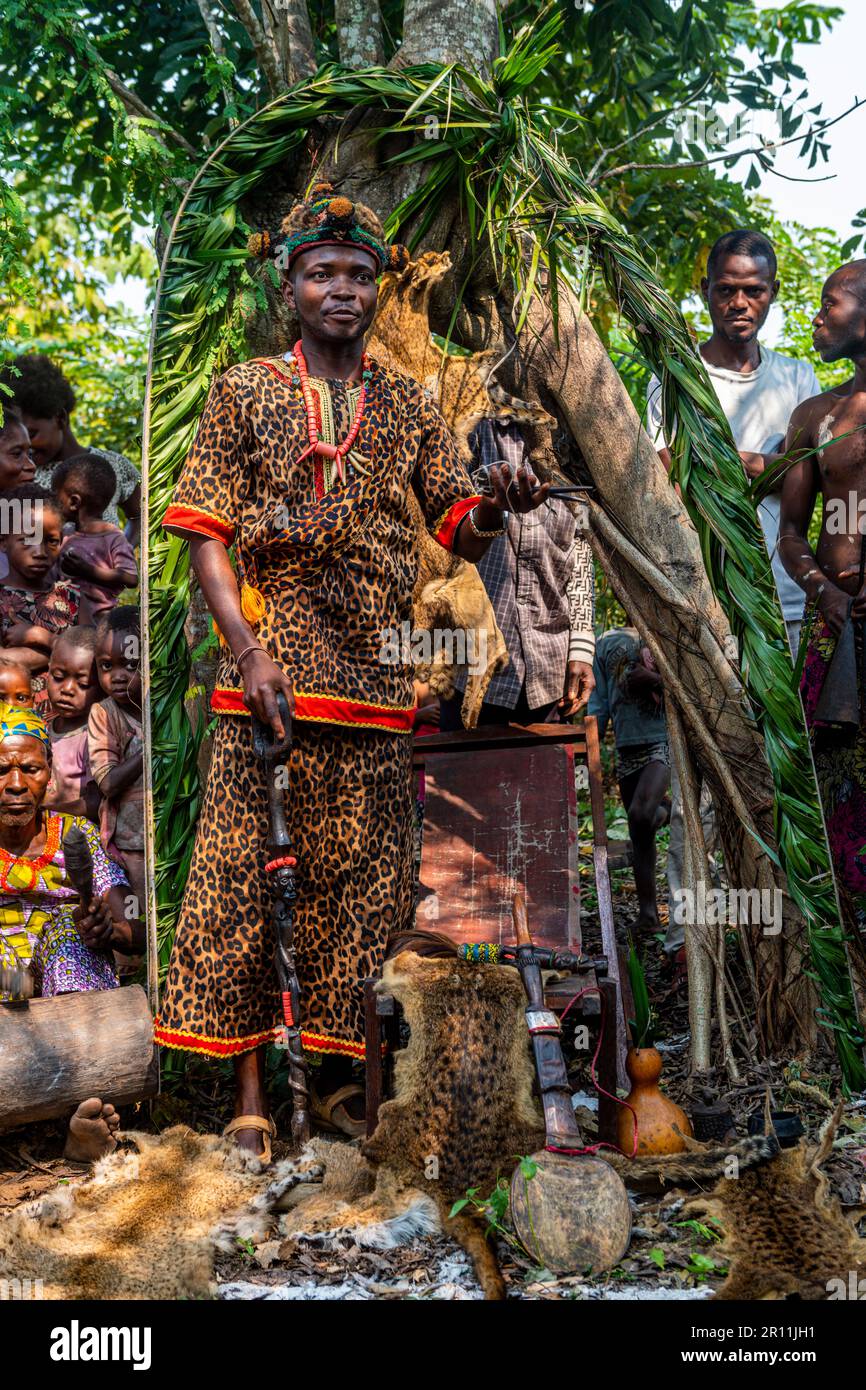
(331, 563)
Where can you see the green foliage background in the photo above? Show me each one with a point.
(606, 95)
(55, 302)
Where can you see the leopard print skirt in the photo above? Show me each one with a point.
(349, 806)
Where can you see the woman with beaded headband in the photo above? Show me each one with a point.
(302, 465)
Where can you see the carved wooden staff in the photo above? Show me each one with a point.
(280, 867)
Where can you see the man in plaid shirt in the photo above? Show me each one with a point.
(539, 577)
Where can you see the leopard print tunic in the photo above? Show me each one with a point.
(336, 564)
(336, 567)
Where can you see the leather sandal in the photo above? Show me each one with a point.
(331, 1113)
(267, 1127)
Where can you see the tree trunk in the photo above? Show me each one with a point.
(449, 31)
(57, 1052)
(359, 33)
(642, 532)
(669, 585)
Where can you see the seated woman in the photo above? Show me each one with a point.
(50, 943)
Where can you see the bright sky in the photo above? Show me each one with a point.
(834, 76)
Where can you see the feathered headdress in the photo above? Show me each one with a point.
(327, 219)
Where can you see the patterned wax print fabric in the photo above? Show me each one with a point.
(36, 902)
(840, 767)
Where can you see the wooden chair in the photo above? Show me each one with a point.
(501, 808)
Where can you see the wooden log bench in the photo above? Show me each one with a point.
(55, 1053)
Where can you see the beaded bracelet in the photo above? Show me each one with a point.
(485, 535)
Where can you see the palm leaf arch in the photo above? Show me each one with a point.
(533, 213)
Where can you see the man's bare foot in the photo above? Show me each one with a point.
(91, 1132)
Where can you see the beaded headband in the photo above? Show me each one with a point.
(327, 219)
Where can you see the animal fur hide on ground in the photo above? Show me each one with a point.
(141, 1227)
(786, 1235)
(149, 1221)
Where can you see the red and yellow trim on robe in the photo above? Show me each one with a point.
(203, 523)
(327, 709)
(317, 1042)
(446, 527)
(210, 1046)
(233, 1047)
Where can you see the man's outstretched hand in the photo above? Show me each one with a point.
(579, 685)
(516, 491)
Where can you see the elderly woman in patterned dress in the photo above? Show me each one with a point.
(49, 943)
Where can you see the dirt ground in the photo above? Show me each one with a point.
(668, 1258)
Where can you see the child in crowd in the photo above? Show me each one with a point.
(45, 400)
(73, 689)
(115, 744)
(16, 687)
(34, 606)
(16, 463)
(96, 554)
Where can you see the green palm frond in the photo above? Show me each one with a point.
(501, 154)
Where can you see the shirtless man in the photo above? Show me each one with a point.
(829, 575)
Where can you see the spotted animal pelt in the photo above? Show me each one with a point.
(785, 1234)
(142, 1226)
(449, 594)
(330, 1196)
(151, 1218)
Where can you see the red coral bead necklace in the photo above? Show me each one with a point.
(337, 452)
